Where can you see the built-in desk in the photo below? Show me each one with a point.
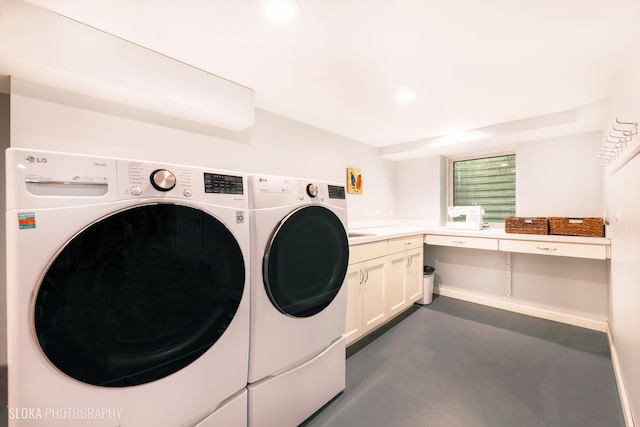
(570, 246)
(547, 247)
(498, 240)
(495, 239)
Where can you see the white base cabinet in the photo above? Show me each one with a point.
(404, 276)
(414, 278)
(353, 325)
(396, 290)
(384, 278)
(366, 296)
(374, 274)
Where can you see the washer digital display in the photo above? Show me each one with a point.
(223, 184)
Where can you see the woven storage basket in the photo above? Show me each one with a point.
(521, 225)
(589, 227)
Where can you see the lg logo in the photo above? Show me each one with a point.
(31, 159)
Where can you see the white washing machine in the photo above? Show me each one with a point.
(127, 293)
(300, 253)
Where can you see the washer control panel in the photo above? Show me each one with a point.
(141, 179)
(51, 179)
(144, 179)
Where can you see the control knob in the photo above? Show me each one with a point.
(163, 180)
(312, 190)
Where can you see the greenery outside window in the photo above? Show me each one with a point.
(489, 182)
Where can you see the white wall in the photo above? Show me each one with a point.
(622, 196)
(418, 189)
(53, 120)
(560, 177)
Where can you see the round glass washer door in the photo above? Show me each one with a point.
(306, 261)
(139, 295)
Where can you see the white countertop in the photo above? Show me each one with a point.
(372, 234)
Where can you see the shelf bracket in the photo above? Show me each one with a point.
(509, 274)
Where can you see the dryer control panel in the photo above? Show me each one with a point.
(336, 191)
(269, 191)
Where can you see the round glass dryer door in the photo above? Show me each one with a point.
(139, 295)
(306, 261)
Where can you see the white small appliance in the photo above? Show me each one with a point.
(473, 217)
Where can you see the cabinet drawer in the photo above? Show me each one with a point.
(462, 242)
(576, 250)
(365, 251)
(404, 243)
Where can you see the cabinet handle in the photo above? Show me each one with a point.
(547, 249)
(459, 242)
(361, 276)
(366, 278)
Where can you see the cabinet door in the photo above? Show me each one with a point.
(414, 276)
(374, 311)
(396, 291)
(353, 326)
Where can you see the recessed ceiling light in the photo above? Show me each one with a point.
(281, 11)
(404, 96)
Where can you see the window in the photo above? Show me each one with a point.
(489, 182)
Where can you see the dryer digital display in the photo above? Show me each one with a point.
(336, 192)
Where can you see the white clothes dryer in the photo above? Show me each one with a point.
(300, 254)
(127, 292)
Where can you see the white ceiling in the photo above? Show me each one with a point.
(491, 67)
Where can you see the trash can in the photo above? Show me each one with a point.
(429, 275)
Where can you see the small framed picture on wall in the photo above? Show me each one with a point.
(354, 181)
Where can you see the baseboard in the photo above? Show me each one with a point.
(583, 322)
(622, 391)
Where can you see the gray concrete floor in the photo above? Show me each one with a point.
(457, 364)
(454, 363)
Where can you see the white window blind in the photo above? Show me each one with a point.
(489, 182)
